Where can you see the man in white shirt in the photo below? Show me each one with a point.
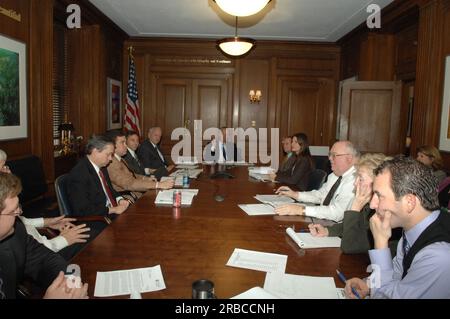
(335, 195)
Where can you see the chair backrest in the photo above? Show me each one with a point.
(31, 173)
(316, 179)
(62, 195)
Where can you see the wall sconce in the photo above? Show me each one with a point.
(255, 97)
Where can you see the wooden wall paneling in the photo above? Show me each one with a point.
(370, 116)
(40, 90)
(446, 47)
(377, 56)
(254, 76)
(429, 75)
(406, 53)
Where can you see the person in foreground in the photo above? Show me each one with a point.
(335, 195)
(354, 229)
(405, 196)
(21, 256)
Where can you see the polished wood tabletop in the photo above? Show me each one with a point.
(196, 242)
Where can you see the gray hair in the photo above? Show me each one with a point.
(99, 142)
(3, 155)
(409, 176)
(153, 128)
(351, 149)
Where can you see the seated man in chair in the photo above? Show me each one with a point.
(89, 185)
(22, 256)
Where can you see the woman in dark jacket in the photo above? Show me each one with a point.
(302, 164)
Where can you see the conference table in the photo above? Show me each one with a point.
(195, 242)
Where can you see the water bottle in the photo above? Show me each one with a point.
(186, 179)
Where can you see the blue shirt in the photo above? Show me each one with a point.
(428, 275)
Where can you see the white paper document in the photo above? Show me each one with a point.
(256, 260)
(187, 166)
(261, 169)
(126, 282)
(165, 197)
(288, 286)
(193, 173)
(257, 209)
(259, 176)
(274, 199)
(255, 293)
(178, 179)
(306, 240)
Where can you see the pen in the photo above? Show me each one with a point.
(342, 278)
(306, 230)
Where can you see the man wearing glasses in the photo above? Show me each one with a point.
(335, 195)
(22, 256)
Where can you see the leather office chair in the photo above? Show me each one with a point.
(64, 205)
(316, 179)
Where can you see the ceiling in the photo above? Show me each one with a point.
(294, 20)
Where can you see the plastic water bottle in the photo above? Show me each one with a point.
(186, 180)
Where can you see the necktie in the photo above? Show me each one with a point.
(330, 194)
(406, 246)
(111, 199)
(223, 152)
(160, 155)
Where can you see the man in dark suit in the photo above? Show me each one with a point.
(90, 189)
(131, 158)
(151, 156)
(22, 256)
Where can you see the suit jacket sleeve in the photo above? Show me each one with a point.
(123, 180)
(355, 238)
(42, 264)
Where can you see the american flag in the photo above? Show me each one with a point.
(132, 116)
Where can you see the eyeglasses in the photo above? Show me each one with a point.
(17, 212)
(333, 155)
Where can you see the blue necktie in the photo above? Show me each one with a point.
(406, 246)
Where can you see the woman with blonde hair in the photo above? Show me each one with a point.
(431, 157)
(354, 229)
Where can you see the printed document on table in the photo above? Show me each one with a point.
(257, 209)
(125, 282)
(274, 199)
(306, 240)
(255, 293)
(250, 259)
(288, 286)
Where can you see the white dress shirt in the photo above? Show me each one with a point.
(54, 244)
(133, 153)
(340, 202)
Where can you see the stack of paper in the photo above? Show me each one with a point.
(193, 173)
(274, 199)
(178, 179)
(257, 209)
(306, 240)
(165, 197)
(255, 293)
(187, 166)
(187, 160)
(125, 282)
(288, 286)
(261, 169)
(259, 177)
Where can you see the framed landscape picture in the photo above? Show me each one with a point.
(13, 89)
(444, 137)
(114, 105)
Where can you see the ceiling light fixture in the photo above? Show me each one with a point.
(236, 46)
(241, 8)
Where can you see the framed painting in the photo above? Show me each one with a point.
(114, 107)
(444, 137)
(13, 89)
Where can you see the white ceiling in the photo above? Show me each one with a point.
(296, 20)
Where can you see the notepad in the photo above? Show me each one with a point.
(306, 240)
(257, 209)
(257, 260)
(287, 286)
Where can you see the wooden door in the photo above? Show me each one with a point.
(371, 116)
(306, 105)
